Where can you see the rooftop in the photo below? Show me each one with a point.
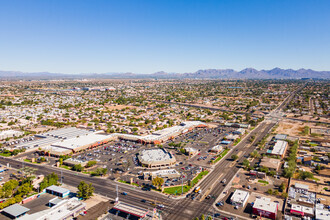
(155, 155)
(279, 147)
(301, 186)
(15, 210)
(57, 189)
(133, 210)
(239, 196)
(265, 204)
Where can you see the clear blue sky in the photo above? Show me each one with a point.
(83, 36)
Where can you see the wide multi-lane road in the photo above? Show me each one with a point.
(225, 169)
(102, 186)
(185, 208)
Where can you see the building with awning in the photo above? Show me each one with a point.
(302, 211)
(58, 191)
(264, 207)
(131, 209)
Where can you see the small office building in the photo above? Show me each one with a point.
(15, 211)
(239, 198)
(58, 191)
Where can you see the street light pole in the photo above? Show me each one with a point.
(182, 186)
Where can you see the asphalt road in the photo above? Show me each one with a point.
(174, 208)
(225, 169)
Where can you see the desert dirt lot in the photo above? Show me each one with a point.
(290, 128)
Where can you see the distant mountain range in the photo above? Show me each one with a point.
(248, 73)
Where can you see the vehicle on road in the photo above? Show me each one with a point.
(124, 193)
(224, 181)
(143, 200)
(197, 189)
(161, 206)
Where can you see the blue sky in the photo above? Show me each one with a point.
(84, 36)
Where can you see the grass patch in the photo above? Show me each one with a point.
(220, 156)
(65, 167)
(122, 181)
(134, 184)
(314, 178)
(5, 154)
(263, 182)
(198, 177)
(29, 161)
(177, 189)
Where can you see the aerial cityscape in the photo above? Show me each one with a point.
(97, 124)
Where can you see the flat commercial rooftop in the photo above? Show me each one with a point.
(130, 209)
(265, 204)
(66, 133)
(57, 189)
(155, 155)
(80, 141)
(15, 210)
(279, 147)
(239, 196)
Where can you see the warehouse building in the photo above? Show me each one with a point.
(239, 198)
(76, 144)
(264, 207)
(152, 158)
(51, 137)
(10, 134)
(279, 148)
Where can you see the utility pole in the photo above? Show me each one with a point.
(117, 198)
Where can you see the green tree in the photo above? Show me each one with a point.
(85, 191)
(202, 217)
(60, 161)
(78, 168)
(246, 163)
(255, 154)
(158, 182)
(282, 187)
(90, 163)
(8, 188)
(234, 157)
(49, 180)
(269, 191)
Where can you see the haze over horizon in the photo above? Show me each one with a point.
(173, 36)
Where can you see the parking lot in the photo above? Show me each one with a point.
(120, 157)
